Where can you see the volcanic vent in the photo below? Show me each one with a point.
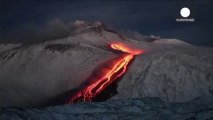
(107, 75)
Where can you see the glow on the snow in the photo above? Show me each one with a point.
(124, 48)
(117, 68)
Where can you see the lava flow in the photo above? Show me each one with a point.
(116, 68)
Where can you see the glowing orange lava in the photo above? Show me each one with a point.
(124, 48)
(117, 68)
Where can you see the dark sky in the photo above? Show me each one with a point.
(19, 18)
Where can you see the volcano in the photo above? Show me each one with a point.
(92, 58)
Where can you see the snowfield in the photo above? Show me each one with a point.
(172, 73)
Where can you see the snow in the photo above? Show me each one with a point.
(171, 41)
(5, 47)
(173, 73)
(139, 109)
(33, 75)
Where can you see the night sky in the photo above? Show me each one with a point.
(21, 21)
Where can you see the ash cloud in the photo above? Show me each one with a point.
(58, 29)
(32, 33)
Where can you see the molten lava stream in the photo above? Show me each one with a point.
(117, 68)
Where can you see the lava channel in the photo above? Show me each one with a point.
(116, 68)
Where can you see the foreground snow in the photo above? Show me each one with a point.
(128, 109)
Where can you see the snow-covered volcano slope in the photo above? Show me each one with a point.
(32, 75)
(172, 73)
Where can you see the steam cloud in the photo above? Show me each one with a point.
(32, 33)
(52, 30)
